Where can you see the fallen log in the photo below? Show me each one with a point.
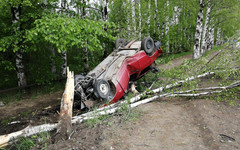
(28, 131)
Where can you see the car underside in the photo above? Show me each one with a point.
(109, 80)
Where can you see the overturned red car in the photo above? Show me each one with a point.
(108, 81)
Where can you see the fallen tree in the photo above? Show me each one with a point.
(133, 102)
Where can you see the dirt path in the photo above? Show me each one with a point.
(179, 124)
(179, 61)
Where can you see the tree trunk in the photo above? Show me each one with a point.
(205, 29)
(149, 17)
(176, 15)
(128, 22)
(133, 18)
(211, 36)
(140, 20)
(22, 80)
(64, 64)
(198, 33)
(104, 18)
(155, 18)
(63, 52)
(85, 60)
(65, 118)
(167, 30)
(218, 43)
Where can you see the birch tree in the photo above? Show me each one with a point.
(16, 12)
(218, 38)
(133, 17)
(205, 29)
(149, 17)
(210, 42)
(63, 53)
(198, 33)
(140, 20)
(167, 29)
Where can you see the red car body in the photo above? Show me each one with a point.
(132, 66)
(109, 80)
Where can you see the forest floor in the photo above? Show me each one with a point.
(166, 123)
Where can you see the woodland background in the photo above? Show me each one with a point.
(39, 38)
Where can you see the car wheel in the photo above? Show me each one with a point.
(119, 42)
(147, 45)
(101, 89)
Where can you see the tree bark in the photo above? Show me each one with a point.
(20, 68)
(64, 64)
(155, 18)
(140, 20)
(104, 18)
(205, 30)
(218, 43)
(85, 60)
(65, 118)
(211, 36)
(149, 17)
(133, 18)
(63, 52)
(198, 33)
(167, 30)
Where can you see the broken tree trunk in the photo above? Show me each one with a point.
(65, 118)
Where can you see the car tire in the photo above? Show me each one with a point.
(101, 89)
(147, 45)
(119, 42)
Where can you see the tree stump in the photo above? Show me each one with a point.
(65, 119)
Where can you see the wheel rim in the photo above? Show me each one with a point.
(104, 88)
(149, 44)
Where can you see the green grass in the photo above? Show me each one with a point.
(222, 66)
(26, 143)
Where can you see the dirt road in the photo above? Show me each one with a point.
(179, 124)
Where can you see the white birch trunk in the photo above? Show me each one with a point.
(149, 16)
(104, 10)
(63, 52)
(198, 33)
(104, 18)
(211, 36)
(205, 31)
(64, 64)
(22, 81)
(167, 29)
(218, 37)
(127, 19)
(140, 20)
(133, 18)
(176, 15)
(155, 18)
